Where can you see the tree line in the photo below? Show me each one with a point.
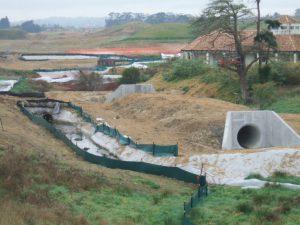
(127, 17)
(27, 26)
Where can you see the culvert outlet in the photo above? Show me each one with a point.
(248, 136)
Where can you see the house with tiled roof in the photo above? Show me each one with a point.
(217, 45)
(289, 26)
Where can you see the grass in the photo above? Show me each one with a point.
(278, 176)
(232, 205)
(163, 32)
(36, 189)
(287, 105)
(12, 34)
(29, 86)
(23, 86)
(122, 206)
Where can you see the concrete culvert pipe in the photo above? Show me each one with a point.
(248, 136)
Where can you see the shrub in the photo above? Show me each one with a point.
(255, 176)
(185, 89)
(130, 76)
(90, 82)
(292, 73)
(182, 68)
(264, 94)
(244, 207)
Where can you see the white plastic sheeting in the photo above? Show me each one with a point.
(7, 85)
(56, 57)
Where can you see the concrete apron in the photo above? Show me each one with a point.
(224, 168)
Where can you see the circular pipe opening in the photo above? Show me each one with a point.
(248, 136)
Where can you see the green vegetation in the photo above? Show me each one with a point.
(12, 34)
(163, 32)
(130, 76)
(54, 193)
(275, 86)
(278, 176)
(264, 93)
(13, 74)
(286, 105)
(230, 205)
(29, 86)
(182, 69)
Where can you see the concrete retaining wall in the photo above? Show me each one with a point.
(125, 90)
(257, 129)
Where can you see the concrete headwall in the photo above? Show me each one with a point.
(257, 129)
(125, 90)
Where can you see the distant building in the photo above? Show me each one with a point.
(214, 47)
(289, 26)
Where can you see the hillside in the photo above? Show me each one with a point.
(128, 35)
(166, 32)
(43, 182)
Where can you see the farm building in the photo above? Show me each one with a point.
(215, 46)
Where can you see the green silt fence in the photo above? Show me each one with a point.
(171, 172)
(156, 150)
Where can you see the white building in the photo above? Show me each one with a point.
(289, 26)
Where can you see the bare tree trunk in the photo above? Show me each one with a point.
(258, 31)
(244, 85)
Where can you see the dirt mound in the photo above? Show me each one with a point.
(196, 124)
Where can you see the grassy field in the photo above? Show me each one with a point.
(277, 177)
(132, 34)
(43, 182)
(287, 105)
(12, 34)
(163, 32)
(230, 205)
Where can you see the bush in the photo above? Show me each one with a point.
(244, 207)
(130, 76)
(264, 94)
(292, 73)
(90, 82)
(182, 68)
(255, 176)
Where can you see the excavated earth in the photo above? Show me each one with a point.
(196, 124)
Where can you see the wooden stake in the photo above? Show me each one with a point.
(1, 124)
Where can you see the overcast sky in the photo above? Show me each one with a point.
(34, 9)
